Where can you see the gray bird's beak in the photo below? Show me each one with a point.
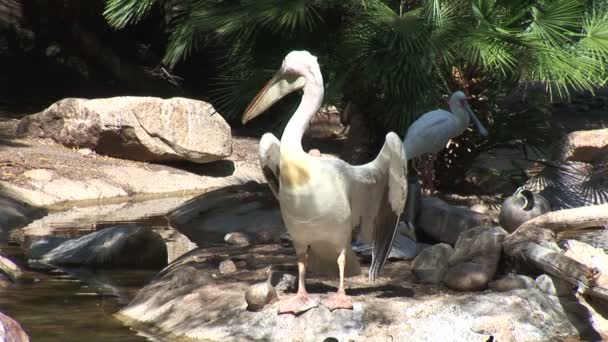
(279, 86)
(482, 130)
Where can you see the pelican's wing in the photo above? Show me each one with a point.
(377, 197)
(270, 153)
(430, 133)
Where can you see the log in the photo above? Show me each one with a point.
(534, 242)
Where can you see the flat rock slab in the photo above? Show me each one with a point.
(44, 174)
(135, 128)
(191, 299)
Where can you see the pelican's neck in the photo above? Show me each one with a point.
(309, 105)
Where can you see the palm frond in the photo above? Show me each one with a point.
(120, 13)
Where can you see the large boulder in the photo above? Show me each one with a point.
(475, 259)
(432, 263)
(135, 128)
(582, 146)
(121, 246)
(11, 330)
(444, 222)
(190, 300)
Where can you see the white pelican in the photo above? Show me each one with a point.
(431, 132)
(325, 200)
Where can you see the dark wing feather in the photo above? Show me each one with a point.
(377, 195)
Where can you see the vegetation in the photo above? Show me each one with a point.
(398, 59)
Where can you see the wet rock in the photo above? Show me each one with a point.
(432, 263)
(582, 146)
(553, 286)
(135, 128)
(475, 259)
(258, 295)
(11, 330)
(512, 282)
(238, 239)
(246, 208)
(227, 267)
(444, 222)
(14, 213)
(124, 246)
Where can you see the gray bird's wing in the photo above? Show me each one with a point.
(270, 155)
(377, 193)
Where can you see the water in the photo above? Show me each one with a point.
(61, 307)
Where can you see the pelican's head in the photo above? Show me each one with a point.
(459, 100)
(297, 66)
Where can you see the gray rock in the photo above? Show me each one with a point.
(185, 302)
(512, 282)
(475, 259)
(246, 208)
(444, 222)
(432, 263)
(553, 286)
(135, 128)
(265, 237)
(11, 330)
(124, 246)
(227, 267)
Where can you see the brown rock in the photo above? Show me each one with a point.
(582, 146)
(475, 259)
(136, 128)
(265, 237)
(431, 264)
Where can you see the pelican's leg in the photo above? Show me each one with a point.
(302, 301)
(339, 300)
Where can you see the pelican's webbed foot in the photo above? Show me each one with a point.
(298, 304)
(338, 300)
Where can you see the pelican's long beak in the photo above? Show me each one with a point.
(482, 130)
(279, 86)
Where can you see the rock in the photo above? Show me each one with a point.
(238, 239)
(512, 282)
(123, 246)
(444, 222)
(11, 330)
(227, 267)
(553, 286)
(135, 128)
(432, 263)
(258, 295)
(582, 146)
(185, 302)
(13, 271)
(15, 213)
(41, 175)
(475, 259)
(265, 237)
(247, 208)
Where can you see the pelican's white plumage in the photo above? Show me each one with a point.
(323, 200)
(431, 132)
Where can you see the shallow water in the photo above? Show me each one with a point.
(61, 307)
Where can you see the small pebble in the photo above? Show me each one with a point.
(258, 295)
(264, 237)
(227, 267)
(238, 239)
